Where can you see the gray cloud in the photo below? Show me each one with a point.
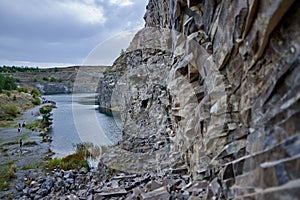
(62, 31)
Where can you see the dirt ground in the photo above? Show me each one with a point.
(31, 156)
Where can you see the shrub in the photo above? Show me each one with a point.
(52, 79)
(76, 160)
(7, 83)
(36, 101)
(21, 89)
(11, 171)
(73, 161)
(8, 94)
(53, 163)
(34, 125)
(35, 92)
(12, 110)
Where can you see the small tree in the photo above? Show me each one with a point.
(122, 53)
(46, 116)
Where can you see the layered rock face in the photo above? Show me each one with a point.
(213, 87)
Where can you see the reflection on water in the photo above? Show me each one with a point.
(76, 120)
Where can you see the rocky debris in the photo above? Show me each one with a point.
(84, 184)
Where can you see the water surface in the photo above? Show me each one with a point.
(76, 119)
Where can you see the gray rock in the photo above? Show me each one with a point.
(48, 184)
(83, 170)
(58, 184)
(72, 197)
(68, 175)
(58, 174)
(34, 184)
(42, 192)
(20, 186)
(70, 180)
(26, 190)
(37, 197)
(33, 190)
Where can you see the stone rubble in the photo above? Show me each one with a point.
(95, 185)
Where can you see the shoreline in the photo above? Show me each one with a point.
(33, 180)
(16, 160)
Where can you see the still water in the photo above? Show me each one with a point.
(76, 119)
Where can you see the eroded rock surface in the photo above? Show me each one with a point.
(212, 86)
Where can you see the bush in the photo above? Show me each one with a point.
(53, 163)
(21, 89)
(77, 160)
(36, 101)
(34, 125)
(11, 171)
(12, 110)
(7, 83)
(35, 93)
(73, 161)
(8, 94)
(52, 79)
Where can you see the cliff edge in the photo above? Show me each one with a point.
(212, 87)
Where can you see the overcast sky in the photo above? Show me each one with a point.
(64, 32)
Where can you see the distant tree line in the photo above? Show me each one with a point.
(7, 83)
(14, 69)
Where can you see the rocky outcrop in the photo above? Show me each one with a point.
(213, 87)
(53, 88)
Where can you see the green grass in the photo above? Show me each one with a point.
(6, 123)
(35, 165)
(73, 161)
(7, 172)
(34, 125)
(78, 159)
(12, 110)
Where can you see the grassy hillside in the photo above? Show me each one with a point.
(12, 103)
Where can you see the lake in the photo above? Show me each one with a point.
(76, 119)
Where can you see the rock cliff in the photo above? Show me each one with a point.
(212, 87)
